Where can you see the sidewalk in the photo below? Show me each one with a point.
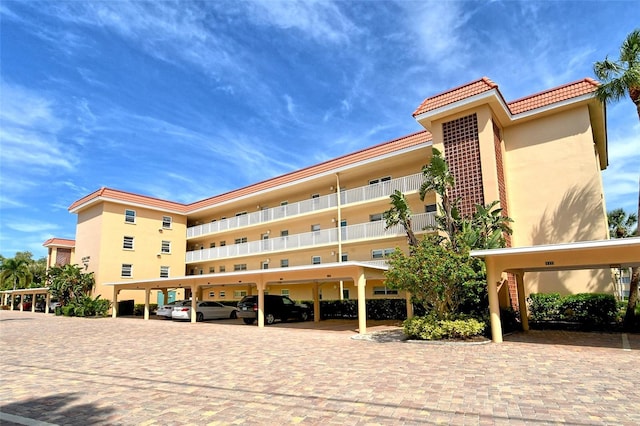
(73, 371)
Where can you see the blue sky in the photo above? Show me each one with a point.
(185, 100)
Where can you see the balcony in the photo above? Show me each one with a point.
(350, 196)
(325, 237)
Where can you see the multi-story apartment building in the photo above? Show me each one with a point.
(540, 156)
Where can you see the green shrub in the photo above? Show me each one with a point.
(68, 310)
(430, 328)
(544, 307)
(138, 309)
(589, 309)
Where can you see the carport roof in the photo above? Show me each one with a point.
(613, 253)
(306, 273)
(36, 290)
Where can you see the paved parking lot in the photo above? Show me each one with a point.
(72, 371)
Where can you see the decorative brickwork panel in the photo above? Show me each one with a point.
(63, 257)
(462, 151)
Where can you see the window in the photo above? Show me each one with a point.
(315, 228)
(212, 245)
(239, 294)
(130, 216)
(345, 257)
(284, 233)
(240, 267)
(127, 243)
(379, 180)
(166, 247)
(265, 264)
(430, 208)
(166, 222)
(284, 203)
(212, 269)
(127, 270)
(223, 268)
(345, 293)
(241, 213)
(284, 263)
(381, 253)
(212, 294)
(164, 272)
(240, 240)
(223, 243)
(314, 196)
(284, 292)
(315, 260)
(222, 294)
(375, 217)
(383, 291)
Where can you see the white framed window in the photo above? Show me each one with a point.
(316, 260)
(284, 263)
(383, 291)
(315, 228)
(127, 243)
(284, 233)
(212, 294)
(265, 264)
(314, 196)
(379, 180)
(212, 245)
(345, 293)
(223, 243)
(375, 217)
(130, 216)
(223, 268)
(127, 270)
(223, 294)
(212, 269)
(166, 247)
(166, 222)
(284, 292)
(240, 267)
(430, 208)
(284, 203)
(241, 213)
(345, 257)
(164, 272)
(240, 240)
(381, 253)
(239, 294)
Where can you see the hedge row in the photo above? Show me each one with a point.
(587, 309)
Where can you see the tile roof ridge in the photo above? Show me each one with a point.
(486, 80)
(58, 240)
(553, 89)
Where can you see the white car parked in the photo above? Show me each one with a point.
(167, 309)
(205, 310)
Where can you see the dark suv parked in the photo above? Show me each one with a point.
(276, 307)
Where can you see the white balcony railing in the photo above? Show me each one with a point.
(362, 231)
(356, 195)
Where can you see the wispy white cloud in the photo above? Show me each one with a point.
(32, 226)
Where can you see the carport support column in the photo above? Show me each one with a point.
(33, 302)
(493, 275)
(11, 298)
(260, 287)
(114, 306)
(522, 301)
(165, 296)
(194, 301)
(147, 293)
(361, 283)
(47, 302)
(316, 302)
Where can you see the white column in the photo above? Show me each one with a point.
(11, 308)
(114, 306)
(147, 293)
(316, 302)
(260, 304)
(361, 283)
(47, 302)
(194, 301)
(493, 275)
(522, 301)
(33, 302)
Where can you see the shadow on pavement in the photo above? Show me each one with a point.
(55, 409)
(574, 338)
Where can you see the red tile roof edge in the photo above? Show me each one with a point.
(490, 85)
(591, 81)
(59, 242)
(420, 136)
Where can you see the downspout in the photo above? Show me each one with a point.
(338, 195)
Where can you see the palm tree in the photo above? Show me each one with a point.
(621, 224)
(622, 76)
(400, 213)
(16, 272)
(619, 78)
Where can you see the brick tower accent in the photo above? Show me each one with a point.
(462, 151)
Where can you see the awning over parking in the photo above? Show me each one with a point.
(10, 294)
(357, 272)
(556, 257)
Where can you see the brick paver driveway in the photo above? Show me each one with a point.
(132, 372)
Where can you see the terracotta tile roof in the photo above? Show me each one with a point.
(528, 103)
(336, 163)
(455, 95)
(59, 242)
(551, 96)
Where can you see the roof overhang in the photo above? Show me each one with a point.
(292, 275)
(37, 290)
(616, 253)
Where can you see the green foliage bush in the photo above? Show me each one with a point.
(588, 309)
(85, 306)
(377, 309)
(430, 328)
(138, 309)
